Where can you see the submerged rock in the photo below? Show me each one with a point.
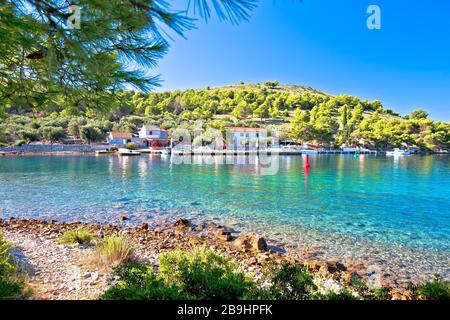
(122, 217)
(182, 223)
(251, 241)
(144, 226)
(223, 235)
(335, 266)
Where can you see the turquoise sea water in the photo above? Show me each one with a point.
(382, 202)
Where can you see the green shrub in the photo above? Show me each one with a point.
(20, 143)
(203, 274)
(34, 124)
(369, 293)
(29, 134)
(76, 237)
(53, 133)
(90, 134)
(74, 125)
(55, 121)
(112, 251)
(344, 295)
(131, 146)
(271, 84)
(290, 281)
(138, 282)
(4, 137)
(7, 266)
(198, 275)
(433, 290)
(11, 284)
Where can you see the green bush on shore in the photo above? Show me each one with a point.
(138, 282)
(369, 293)
(202, 274)
(12, 285)
(131, 146)
(289, 282)
(433, 290)
(76, 237)
(198, 275)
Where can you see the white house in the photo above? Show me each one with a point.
(152, 132)
(154, 137)
(240, 138)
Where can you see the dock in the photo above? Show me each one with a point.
(255, 152)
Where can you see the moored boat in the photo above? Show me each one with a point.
(99, 152)
(128, 152)
(398, 152)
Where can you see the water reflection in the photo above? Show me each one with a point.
(143, 167)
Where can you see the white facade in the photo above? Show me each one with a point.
(151, 132)
(246, 138)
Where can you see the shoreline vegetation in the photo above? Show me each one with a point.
(296, 113)
(72, 260)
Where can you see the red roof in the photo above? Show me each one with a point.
(120, 135)
(244, 129)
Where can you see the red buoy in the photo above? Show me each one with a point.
(306, 165)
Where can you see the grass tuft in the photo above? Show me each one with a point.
(76, 237)
(112, 251)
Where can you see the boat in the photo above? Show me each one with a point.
(128, 152)
(398, 152)
(203, 149)
(166, 151)
(99, 152)
(290, 148)
(107, 151)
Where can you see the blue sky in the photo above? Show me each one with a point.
(325, 44)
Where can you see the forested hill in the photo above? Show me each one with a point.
(301, 113)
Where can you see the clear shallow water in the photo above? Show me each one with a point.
(344, 206)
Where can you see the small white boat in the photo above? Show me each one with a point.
(290, 148)
(99, 152)
(272, 149)
(203, 149)
(398, 152)
(128, 152)
(166, 151)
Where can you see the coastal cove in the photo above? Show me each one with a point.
(389, 212)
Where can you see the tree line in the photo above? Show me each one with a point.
(303, 114)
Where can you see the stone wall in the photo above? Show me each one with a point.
(45, 148)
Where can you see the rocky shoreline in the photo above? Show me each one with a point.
(29, 149)
(58, 272)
